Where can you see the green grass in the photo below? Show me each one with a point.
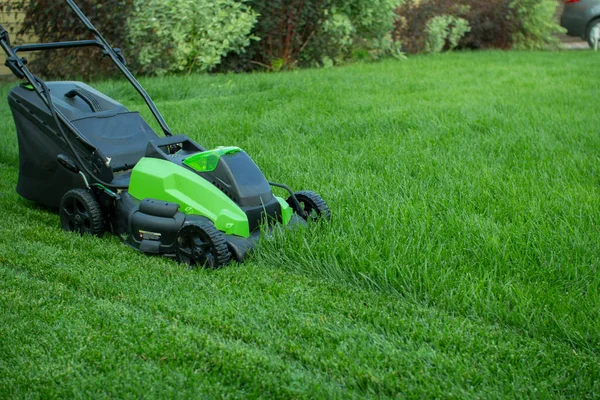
(462, 260)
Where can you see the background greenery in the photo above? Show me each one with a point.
(317, 32)
(173, 37)
(462, 259)
(53, 21)
(504, 24)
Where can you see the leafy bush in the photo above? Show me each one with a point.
(285, 28)
(171, 36)
(339, 29)
(174, 36)
(490, 25)
(537, 26)
(445, 30)
(368, 28)
(411, 26)
(53, 21)
(316, 32)
(460, 26)
(494, 23)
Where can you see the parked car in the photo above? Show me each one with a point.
(582, 18)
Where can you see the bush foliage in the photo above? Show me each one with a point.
(285, 28)
(445, 31)
(52, 21)
(316, 32)
(372, 23)
(536, 26)
(172, 36)
(182, 36)
(493, 23)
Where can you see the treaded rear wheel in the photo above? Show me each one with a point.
(201, 243)
(313, 206)
(81, 213)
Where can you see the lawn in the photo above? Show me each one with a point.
(462, 259)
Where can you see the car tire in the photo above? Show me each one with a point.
(593, 31)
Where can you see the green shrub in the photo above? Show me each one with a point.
(340, 32)
(175, 36)
(493, 23)
(425, 24)
(445, 31)
(316, 32)
(368, 27)
(537, 25)
(286, 29)
(437, 33)
(490, 25)
(172, 36)
(459, 27)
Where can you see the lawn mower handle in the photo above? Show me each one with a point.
(82, 17)
(4, 35)
(17, 65)
(118, 59)
(12, 62)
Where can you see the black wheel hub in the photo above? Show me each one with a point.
(77, 216)
(81, 213)
(312, 206)
(200, 243)
(308, 211)
(195, 247)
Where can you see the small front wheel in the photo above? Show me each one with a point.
(201, 243)
(81, 213)
(312, 206)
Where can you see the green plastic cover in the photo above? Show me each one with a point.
(207, 161)
(163, 180)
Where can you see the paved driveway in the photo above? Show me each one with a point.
(573, 43)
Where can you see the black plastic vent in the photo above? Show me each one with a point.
(223, 189)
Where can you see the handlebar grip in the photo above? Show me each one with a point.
(4, 35)
(14, 63)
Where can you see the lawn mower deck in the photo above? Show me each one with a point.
(105, 169)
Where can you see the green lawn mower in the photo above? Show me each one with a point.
(105, 169)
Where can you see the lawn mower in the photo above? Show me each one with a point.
(105, 170)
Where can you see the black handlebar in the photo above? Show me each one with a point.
(118, 59)
(82, 17)
(4, 35)
(17, 65)
(14, 63)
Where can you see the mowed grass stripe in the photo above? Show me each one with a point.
(462, 259)
(323, 329)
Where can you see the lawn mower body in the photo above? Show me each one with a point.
(106, 169)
